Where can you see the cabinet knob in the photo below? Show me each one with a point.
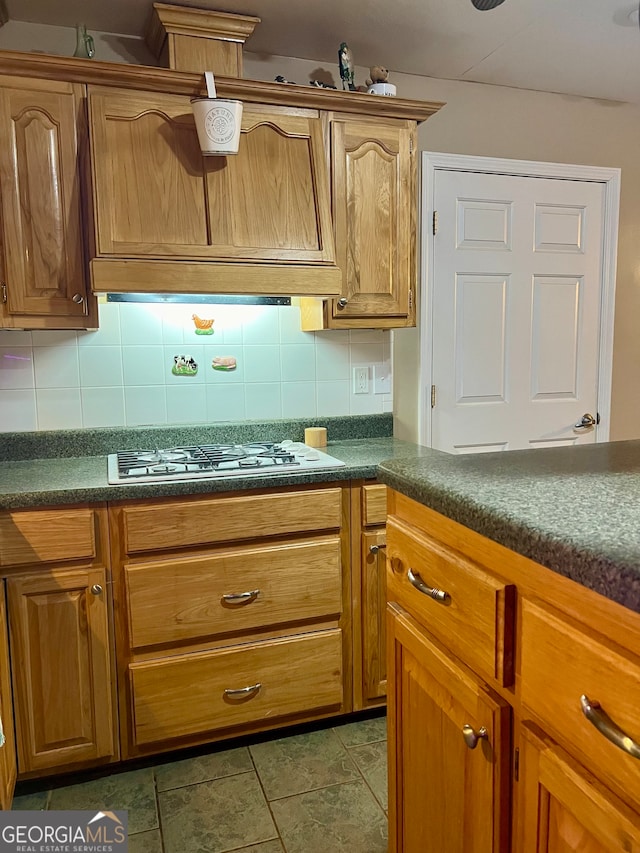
(471, 736)
(78, 298)
(96, 589)
(342, 302)
(373, 549)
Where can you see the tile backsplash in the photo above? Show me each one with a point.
(121, 375)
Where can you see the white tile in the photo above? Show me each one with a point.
(365, 404)
(102, 407)
(108, 334)
(366, 353)
(298, 399)
(144, 365)
(367, 336)
(145, 405)
(140, 323)
(263, 400)
(56, 366)
(261, 363)
(290, 332)
(54, 337)
(15, 338)
(100, 366)
(223, 377)
(18, 410)
(59, 408)
(298, 363)
(196, 352)
(333, 398)
(387, 406)
(337, 336)
(229, 321)
(16, 367)
(332, 361)
(225, 403)
(186, 404)
(263, 327)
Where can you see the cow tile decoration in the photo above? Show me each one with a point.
(184, 365)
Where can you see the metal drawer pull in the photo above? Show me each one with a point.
(241, 692)
(241, 597)
(373, 549)
(437, 594)
(471, 736)
(602, 721)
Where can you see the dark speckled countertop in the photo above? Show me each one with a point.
(575, 510)
(48, 469)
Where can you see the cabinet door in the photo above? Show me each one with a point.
(374, 202)
(61, 660)
(374, 633)
(444, 795)
(42, 126)
(563, 809)
(8, 749)
(156, 196)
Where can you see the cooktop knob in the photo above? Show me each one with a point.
(312, 455)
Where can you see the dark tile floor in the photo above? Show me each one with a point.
(323, 791)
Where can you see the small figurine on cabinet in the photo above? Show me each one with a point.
(320, 84)
(377, 74)
(347, 72)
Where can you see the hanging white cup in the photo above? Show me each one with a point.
(218, 121)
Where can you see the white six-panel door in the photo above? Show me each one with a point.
(515, 311)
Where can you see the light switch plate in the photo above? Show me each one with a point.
(382, 378)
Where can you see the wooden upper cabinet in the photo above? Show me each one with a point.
(43, 128)
(156, 196)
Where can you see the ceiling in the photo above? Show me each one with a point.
(576, 47)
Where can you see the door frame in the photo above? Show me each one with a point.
(609, 177)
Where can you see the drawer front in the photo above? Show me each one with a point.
(41, 536)
(178, 524)
(560, 663)
(173, 601)
(296, 675)
(374, 504)
(476, 618)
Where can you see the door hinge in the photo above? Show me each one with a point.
(3, 292)
(410, 299)
(410, 146)
(433, 396)
(435, 221)
(516, 765)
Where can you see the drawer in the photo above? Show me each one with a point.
(41, 536)
(374, 504)
(475, 619)
(561, 662)
(172, 601)
(178, 524)
(185, 695)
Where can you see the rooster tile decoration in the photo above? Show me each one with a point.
(203, 327)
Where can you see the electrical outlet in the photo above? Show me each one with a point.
(360, 380)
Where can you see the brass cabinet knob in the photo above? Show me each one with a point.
(78, 298)
(342, 302)
(96, 589)
(471, 736)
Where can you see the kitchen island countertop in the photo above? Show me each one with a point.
(575, 510)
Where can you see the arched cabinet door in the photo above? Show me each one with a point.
(156, 196)
(42, 258)
(374, 209)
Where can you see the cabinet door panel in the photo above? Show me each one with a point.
(563, 809)
(271, 200)
(41, 198)
(61, 667)
(8, 766)
(148, 175)
(374, 622)
(374, 213)
(443, 795)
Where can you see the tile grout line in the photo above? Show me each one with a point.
(267, 801)
(364, 779)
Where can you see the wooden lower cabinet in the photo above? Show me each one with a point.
(550, 775)
(8, 766)
(446, 795)
(564, 809)
(61, 666)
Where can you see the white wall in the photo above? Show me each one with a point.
(121, 375)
